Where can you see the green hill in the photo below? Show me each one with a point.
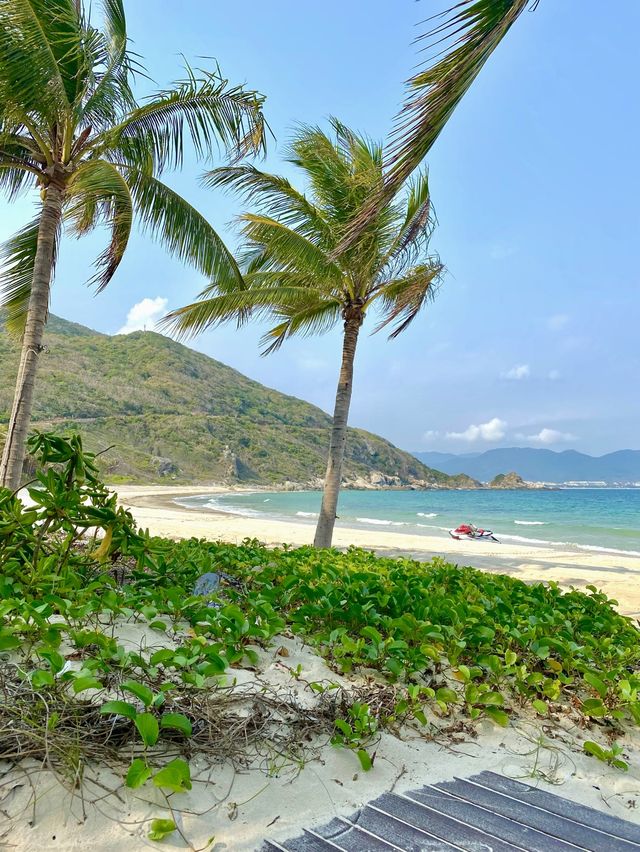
(172, 413)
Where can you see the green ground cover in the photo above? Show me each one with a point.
(423, 643)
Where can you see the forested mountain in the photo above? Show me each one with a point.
(173, 413)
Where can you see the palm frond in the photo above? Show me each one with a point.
(17, 259)
(465, 36)
(181, 229)
(206, 107)
(276, 197)
(286, 248)
(15, 178)
(215, 307)
(403, 298)
(316, 317)
(18, 143)
(327, 165)
(20, 163)
(345, 171)
(111, 94)
(419, 220)
(256, 277)
(18, 171)
(39, 43)
(96, 193)
(115, 27)
(64, 27)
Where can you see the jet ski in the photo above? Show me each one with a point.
(471, 533)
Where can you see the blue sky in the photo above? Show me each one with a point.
(533, 339)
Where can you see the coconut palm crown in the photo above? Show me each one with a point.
(294, 275)
(71, 128)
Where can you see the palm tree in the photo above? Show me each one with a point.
(462, 38)
(71, 127)
(293, 274)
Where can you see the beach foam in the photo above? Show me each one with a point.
(427, 514)
(541, 541)
(593, 548)
(532, 523)
(381, 522)
(596, 549)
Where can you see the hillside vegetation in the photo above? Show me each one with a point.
(172, 413)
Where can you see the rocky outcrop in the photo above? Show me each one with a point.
(508, 481)
(164, 466)
(378, 481)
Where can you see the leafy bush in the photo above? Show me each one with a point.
(39, 544)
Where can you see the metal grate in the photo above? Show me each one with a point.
(486, 813)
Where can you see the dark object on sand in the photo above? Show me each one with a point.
(207, 584)
(471, 532)
(212, 583)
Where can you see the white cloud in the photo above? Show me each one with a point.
(551, 436)
(554, 375)
(520, 371)
(144, 314)
(493, 430)
(557, 322)
(430, 434)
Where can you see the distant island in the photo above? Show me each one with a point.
(541, 466)
(509, 481)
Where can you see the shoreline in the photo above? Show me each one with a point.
(307, 519)
(617, 575)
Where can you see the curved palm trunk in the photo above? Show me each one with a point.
(14, 448)
(333, 476)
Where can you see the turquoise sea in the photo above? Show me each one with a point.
(587, 519)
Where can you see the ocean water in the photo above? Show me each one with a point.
(586, 519)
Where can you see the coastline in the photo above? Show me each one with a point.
(617, 575)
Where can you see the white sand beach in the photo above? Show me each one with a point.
(154, 507)
(232, 808)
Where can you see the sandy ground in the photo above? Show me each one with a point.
(618, 576)
(234, 809)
